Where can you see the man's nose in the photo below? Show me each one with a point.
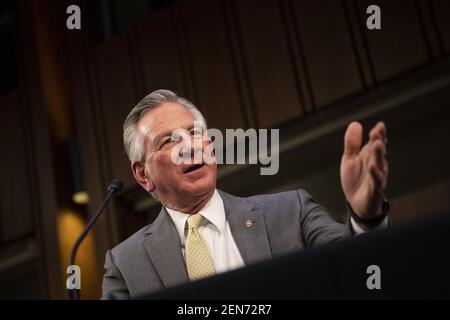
(191, 147)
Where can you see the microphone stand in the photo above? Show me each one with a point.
(114, 188)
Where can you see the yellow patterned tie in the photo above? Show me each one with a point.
(198, 260)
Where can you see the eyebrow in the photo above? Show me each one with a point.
(159, 136)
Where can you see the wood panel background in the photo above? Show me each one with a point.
(258, 63)
(15, 198)
(254, 63)
(157, 51)
(268, 62)
(440, 10)
(400, 45)
(208, 57)
(116, 93)
(329, 51)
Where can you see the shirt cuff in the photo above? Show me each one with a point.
(360, 230)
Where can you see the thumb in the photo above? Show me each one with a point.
(353, 139)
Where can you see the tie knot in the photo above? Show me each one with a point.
(194, 220)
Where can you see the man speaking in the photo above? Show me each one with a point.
(202, 231)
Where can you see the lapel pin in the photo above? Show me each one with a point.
(248, 223)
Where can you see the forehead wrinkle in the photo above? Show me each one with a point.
(154, 139)
(152, 122)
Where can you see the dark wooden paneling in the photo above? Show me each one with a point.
(215, 82)
(328, 49)
(93, 153)
(268, 61)
(117, 95)
(158, 54)
(358, 38)
(441, 11)
(15, 201)
(400, 44)
(422, 202)
(41, 179)
(430, 31)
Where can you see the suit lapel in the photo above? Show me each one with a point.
(248, 228)
(247, 225)
(164, 250)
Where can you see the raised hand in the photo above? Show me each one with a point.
(364, 171)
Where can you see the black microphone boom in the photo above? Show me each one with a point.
(114, 188)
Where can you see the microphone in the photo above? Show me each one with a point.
(114, 188)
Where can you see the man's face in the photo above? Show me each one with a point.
(171, 181)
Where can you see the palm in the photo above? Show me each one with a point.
(364, 171)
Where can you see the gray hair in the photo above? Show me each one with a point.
(132, 140)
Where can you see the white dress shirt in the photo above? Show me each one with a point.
(359, 230)
(216, 232)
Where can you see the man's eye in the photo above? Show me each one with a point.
(167, 141)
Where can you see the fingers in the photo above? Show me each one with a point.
(378, 165)
(378, 154)
(378, 132)
(353, 139)
(378, 137)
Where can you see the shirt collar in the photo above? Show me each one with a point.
(213, 211)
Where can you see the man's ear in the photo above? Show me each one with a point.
(138, 170)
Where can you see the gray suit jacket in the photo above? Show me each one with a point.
(151, 259)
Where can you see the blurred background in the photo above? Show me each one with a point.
(305, 67)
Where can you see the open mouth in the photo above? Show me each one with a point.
(194, 167)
